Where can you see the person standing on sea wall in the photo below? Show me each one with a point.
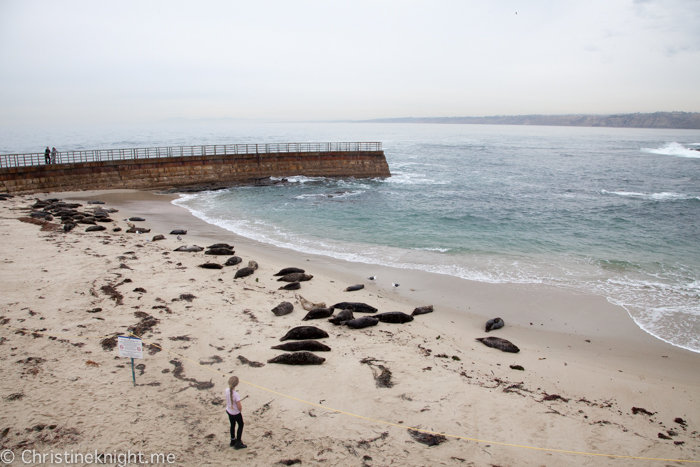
(47, 155)
(54, 155)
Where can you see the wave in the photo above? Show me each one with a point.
(337, 194)
(674, 149)
(401, 178)
(664, 196)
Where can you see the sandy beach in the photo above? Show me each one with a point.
(587, 384)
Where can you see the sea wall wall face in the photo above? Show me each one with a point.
(174, 172)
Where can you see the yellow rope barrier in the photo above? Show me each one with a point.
(561, 451)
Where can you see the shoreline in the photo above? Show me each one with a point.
(475, 395)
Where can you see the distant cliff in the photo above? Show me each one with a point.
(680, 120)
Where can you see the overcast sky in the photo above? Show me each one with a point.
(140, 61)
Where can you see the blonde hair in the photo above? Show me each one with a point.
(232, 383)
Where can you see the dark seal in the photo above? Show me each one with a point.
(232, 261)
(297, 358)
(210, 266)
(498, 343)
(221, 245)
(301, 333)
(353, 288)
(286, 271)
(219, 251)
(295, 277)
(283, 308)
(394, 317)
(357, 307)
(364, 322)
(244, 272)
(495, 323)
(314, 346)
(291, 286)
(179, 232)
(95, 228)
(318, 313)
(342, 317)
(421, 310)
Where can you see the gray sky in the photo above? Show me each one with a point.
(139, 61)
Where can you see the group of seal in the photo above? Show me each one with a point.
(497, 342)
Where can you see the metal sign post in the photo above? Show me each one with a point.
(130, 347)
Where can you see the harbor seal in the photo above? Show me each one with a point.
(421, 310)
(137, 219)
(221, 245)
(139, 230)
(342, 317)
(252, 264)
(95, 228)
(297, 358)
(308, 306)
(301, 333)
(356, 306)
(158, 237)
(291, 286)
(283, 308)
(232, 261)
(179, 232)
(68, 226)
(295, 277)
(495, 323)
(364, 322)
(189, 248)
(353, 288)
(219, 251)
(210, 266)
(285, 271)
(394, 317)
(295, 346)
(244, 272)
(318, 313)
(498, 343)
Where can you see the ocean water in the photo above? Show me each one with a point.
(614, 212)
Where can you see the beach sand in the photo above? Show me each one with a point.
(586, 364)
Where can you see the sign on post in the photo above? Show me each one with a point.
(130, 347)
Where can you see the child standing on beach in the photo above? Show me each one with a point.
(233, 409)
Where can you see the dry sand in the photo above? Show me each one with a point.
(586, 364)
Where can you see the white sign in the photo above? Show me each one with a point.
(130, 347)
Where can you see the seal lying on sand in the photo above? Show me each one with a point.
(179, 232)
(357, 307)
(189, 248)
(244, 272)
(291, 286)
(314, 346)
(252, 264)
(342, 317)
(421, 310)
(219, 251)
(318, 313)
(283, 308)
(364, 322)
(495, 323)
(210, 266)
(301, 333)
(220, 245)
(394, 317)
(295, 277)
(353, 288)
(308, 306)
(286, 271)
(498, 343)
(232, 261)
(297, 358)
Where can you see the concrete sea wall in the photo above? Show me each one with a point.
(172, 172)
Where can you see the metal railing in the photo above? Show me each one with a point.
(98, 155)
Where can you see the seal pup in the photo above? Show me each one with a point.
(301, 333)
(364, 322)
(308, 306)
(394, 317)
(244, 272)
(421, 310)
(291, 286)
(498, 343)
(232, 261)
(189, 248)
(356, 306)
(285, 271)
(295, 277)
(283, 308)
(342, 317)
(295, 346)
(297, 358)
(352, 288)
(318, 313)
(495, 323)
(210, 266)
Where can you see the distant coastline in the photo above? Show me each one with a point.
(675, 120)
